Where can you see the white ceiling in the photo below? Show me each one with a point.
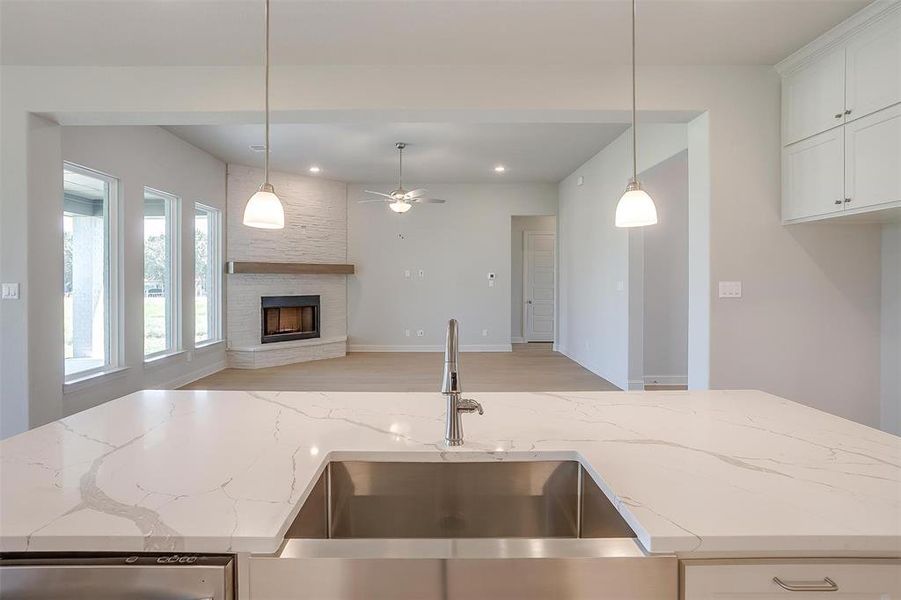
(410, 32)
(437, 152)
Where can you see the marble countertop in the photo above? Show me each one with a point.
(695, 473)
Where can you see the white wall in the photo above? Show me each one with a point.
(594, 311)
(519, 225)
(456, 245)
(137, 157)
(891, 329)
(665, 260)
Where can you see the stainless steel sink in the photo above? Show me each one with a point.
(540, 499)
(536, 530)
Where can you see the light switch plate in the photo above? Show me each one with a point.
(730, 289)
(10, 291)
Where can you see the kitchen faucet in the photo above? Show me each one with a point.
(451, 387)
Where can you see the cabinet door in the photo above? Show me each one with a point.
(864, 579)
(874, 68)
(813, 97)
(813, 176)
(873, 159)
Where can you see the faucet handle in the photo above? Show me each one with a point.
(468, 405)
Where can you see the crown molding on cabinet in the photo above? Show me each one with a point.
(841, 33)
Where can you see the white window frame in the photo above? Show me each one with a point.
(214, 305)
(173, 301)
(113, 310)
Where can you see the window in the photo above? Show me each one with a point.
(89, 272)
(161, 274)
(207, 275)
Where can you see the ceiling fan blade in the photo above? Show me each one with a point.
(379, 194)
(428, 200)
(371, 201)
(416, 193)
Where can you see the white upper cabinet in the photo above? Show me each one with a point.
(813, 98)
(813, 176)
(873, 68)
(873, 161)
(841, 120)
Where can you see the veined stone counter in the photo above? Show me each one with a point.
(694, 473)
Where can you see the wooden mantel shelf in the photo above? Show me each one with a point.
(232, 267)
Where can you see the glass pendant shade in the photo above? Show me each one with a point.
(635, 208)
(264, 210)
(400, 206)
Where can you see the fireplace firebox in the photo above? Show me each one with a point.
(285, 318)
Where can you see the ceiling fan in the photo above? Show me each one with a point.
(401, 200)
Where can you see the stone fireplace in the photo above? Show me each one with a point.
(281, 316)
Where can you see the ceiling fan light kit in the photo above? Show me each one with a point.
(264, 210)
(636, 208)
(401, 200)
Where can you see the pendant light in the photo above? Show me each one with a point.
(635, 208)
(264, 210)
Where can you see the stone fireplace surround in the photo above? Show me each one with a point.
(315, 232)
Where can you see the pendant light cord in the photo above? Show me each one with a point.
(400, 167)
(266, 159)
(634, 119)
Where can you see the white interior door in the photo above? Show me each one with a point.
(538, 286)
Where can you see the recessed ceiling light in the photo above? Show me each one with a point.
(315, 169)
(500, 169)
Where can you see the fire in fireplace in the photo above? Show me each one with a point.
(286, 318)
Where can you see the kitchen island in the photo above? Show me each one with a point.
(696, 475)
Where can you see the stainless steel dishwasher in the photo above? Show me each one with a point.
(37, 576)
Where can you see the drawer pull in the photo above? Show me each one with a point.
(827, 585)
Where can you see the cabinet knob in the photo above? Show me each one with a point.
(838, 201)
(847, 200)
(848, 112)
(840, 115)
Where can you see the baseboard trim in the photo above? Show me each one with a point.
(636, 385)
(517, 340)
(427, 348)
(193, 376)
(666, 380)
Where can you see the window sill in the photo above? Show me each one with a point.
(78, 383)
(158, 359)
(208, 344)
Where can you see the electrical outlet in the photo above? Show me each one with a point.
(420, 333)
(730, 289)
(580, 180)
(10, 291)
(406, 332)
(484, 333)
(620, 286)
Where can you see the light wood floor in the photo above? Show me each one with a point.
(530, 367)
